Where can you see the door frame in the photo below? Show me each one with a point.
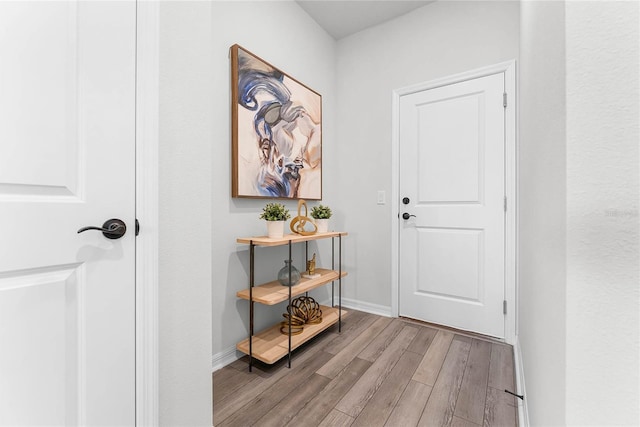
(511, 235)
(147, 211)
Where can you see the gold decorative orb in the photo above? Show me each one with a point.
(302, 311)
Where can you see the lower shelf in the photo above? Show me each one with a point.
(270, 345)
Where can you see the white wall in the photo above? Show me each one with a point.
(285, 36)
(603, 191)
(187, 93)
(542, 209)
(437, 40)
(579, 197)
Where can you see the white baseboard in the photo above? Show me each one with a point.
(225, 357)
(523, 412)
(380, 310)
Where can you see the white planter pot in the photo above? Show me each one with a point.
(275, 229)
(322, 224)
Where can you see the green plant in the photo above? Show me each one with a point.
(321, 212)
(275, 212)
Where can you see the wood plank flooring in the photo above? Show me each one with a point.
(377, 372)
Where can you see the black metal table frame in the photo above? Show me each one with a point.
(306, 251)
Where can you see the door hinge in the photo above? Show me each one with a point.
(504, 307)
(505, 203)
(137, 227)
(504, 99)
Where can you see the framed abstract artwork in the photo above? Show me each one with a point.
(276, 132)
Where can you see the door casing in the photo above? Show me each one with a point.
(509, 70)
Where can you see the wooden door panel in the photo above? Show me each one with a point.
(42, 338)
(450, 166)
(38, 82)
(451, 263)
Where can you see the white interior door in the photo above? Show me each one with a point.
(452, 163)
(67, 157)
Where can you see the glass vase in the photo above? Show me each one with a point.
(283, 274)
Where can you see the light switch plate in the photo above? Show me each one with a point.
(381, 197)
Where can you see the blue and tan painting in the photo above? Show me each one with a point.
(279, 139)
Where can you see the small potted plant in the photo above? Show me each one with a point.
(321, 215)
(275, 214)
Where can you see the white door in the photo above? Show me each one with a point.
(452, 163)
(67, 141)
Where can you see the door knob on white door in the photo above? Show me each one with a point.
(112, 229)
(407, 215)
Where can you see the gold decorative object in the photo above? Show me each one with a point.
(298, 223)
(296, 326)
(302, 311)
(311, 266)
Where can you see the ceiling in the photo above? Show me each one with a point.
(341, 18)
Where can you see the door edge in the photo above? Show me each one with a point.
(147, 212)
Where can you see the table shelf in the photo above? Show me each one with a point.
(271, 345)
(293, 238)
(273, 292)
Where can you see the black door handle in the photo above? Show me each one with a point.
(111, 229)
(407, 215)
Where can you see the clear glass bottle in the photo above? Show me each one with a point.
(283, 274)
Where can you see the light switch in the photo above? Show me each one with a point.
(381, 197)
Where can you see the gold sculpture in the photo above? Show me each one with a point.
(298, 223)
(311, 266)
(302, 311)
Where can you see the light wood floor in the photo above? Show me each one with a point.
(377, 372)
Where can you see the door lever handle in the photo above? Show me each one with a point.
(111, 229)
(407, 215)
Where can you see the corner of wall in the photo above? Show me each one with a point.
(542, 211)
(523, 409)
